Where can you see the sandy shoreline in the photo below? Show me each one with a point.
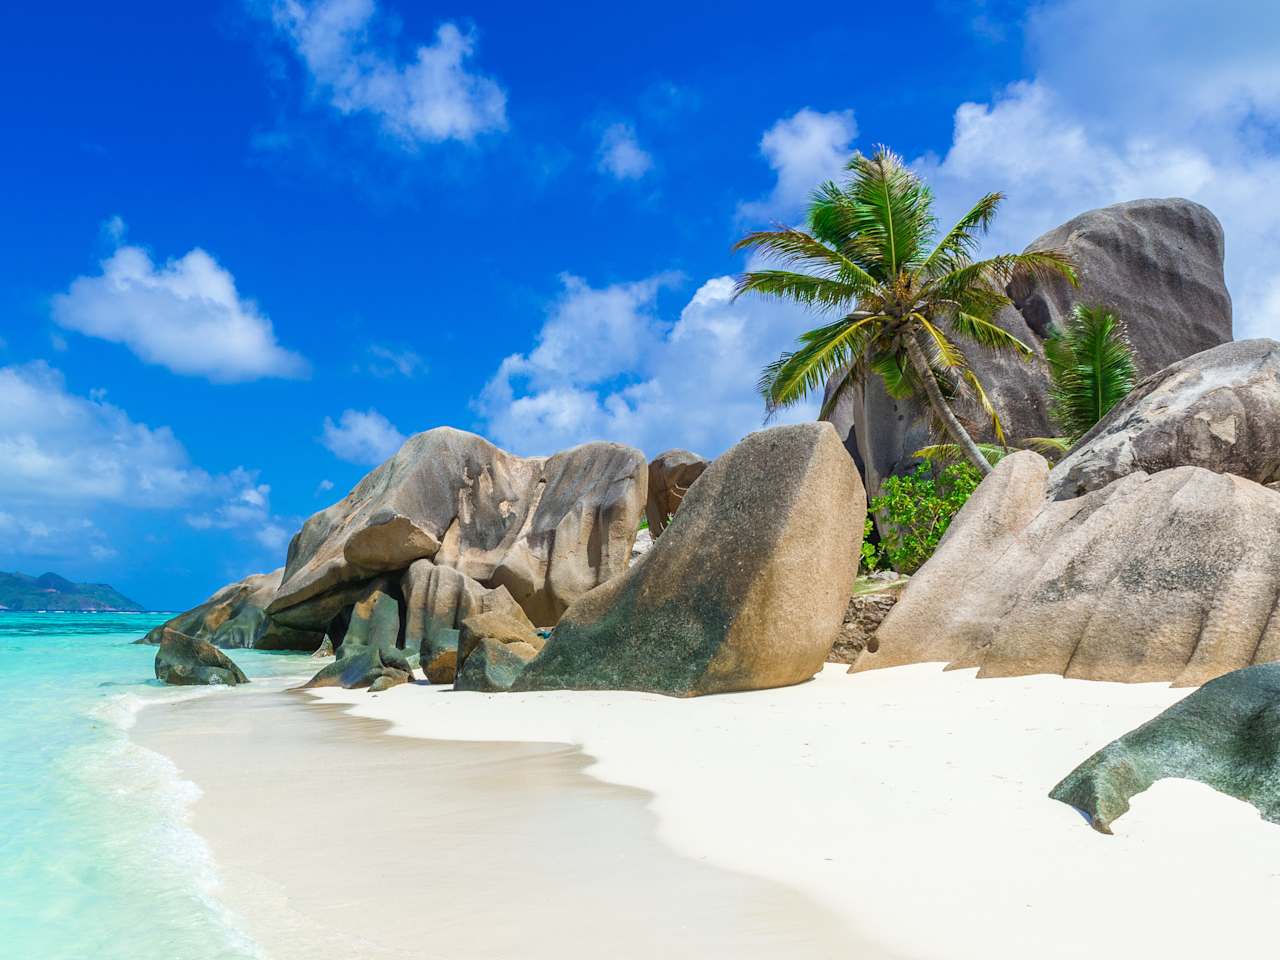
(894, 813)
(912, 803)
(332, 839)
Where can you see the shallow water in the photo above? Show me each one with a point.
(96, 857)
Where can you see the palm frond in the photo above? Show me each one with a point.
(800, 250)
(944, 353)
(951, 453)
(823, 351)
(898, 380)
(994, 274)
(997, 428)
(1092, 368)
(820, 293)
(958, 247)
(1049, 447)
(988, 334)
(890, 211)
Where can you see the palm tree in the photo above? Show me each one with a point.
(902, 299)
(1092, 367)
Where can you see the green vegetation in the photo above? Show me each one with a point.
(1092, 369)
(1092, 366)
(18, 591)
(902, 295)
(916, 510)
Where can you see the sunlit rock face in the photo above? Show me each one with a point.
(1168, 576)
(746, 589)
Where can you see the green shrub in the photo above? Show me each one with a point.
(914, 512)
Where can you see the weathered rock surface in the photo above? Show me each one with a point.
(549, 529)
(1225, 735)
(642, 545)
(184, 660)
(744, 590)
(863, 616)
(236, 616)
(364, 667)
(1219, 409)
(368, 644)
(671, 474)
(1156, 263)
(1162, 577)
(438, 601)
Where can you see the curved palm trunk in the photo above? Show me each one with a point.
(920, 364)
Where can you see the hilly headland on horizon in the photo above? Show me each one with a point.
(54, 593)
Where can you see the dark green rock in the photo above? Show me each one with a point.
(368, 654)
(185, 661)
(236, 617)
(362, 667)
(1225, 735)
(493, 666)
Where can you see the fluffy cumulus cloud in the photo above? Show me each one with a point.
(66, 456)
(56, 445)
(430, 97)
(361, 436)
(1187, 106)
(803, 150)
(606, 366)
(246, 507)
(620, 154)
(185, 314)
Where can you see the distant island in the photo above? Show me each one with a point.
(52, 592)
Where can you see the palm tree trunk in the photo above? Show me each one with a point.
(920, 364)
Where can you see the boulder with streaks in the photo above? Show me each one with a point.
(745, 590)
(1155, 577)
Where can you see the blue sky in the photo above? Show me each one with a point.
(250, 246)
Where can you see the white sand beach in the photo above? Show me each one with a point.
(332, 841)
(910, 803)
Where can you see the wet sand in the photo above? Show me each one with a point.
(333, 839)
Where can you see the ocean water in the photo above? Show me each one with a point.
(96, 859)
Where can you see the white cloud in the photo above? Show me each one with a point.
(1198, 118)
(364, 437)
(55, 445)
(61, 537)
(247, 509)
(430, 98)
(620, 154)
(803, 150)
(185, 315)
(65, 456)
(324, 486)
(387, 361)
(688, 384)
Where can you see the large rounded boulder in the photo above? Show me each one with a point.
(1157, 263)
(547, 528)
(236, 616)
(189, 661)
(746, 589)
(671, 474)
(1218, 409)
(1155, 577)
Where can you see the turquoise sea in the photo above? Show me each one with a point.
(96, 859)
